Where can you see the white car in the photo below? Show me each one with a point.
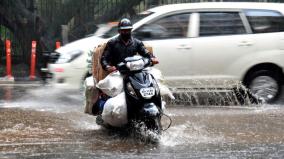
(201, 45)
(68, 64)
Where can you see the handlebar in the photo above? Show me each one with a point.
(132, 64)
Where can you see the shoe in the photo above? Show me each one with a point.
(96, 109)
(99, 120)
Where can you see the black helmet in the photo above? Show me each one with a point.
(124, 24)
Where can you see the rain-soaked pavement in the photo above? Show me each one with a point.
(40, 122)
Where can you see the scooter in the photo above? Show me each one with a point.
(143, 99)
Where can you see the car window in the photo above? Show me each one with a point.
(110, 33)
(265, 21)
(140, 16)
(220, 23)
(174, 26)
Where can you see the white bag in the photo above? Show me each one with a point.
(115, 111)
(164, 90)
(112, 85)
(89, 82)
(156, 73)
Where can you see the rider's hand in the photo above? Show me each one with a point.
(111, 69)
(154, 60)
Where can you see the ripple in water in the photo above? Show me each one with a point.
(48, 99)
(187, 133)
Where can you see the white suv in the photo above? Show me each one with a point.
(215, 45)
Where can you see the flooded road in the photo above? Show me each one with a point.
(38, 122)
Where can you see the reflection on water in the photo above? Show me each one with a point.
(196, 133)
(187, 133)
(187, 96)
(47, 123)
(8, 94)
(41, 98)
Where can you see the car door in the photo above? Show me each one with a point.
(222, 42)
(267, 27)
(169, 38)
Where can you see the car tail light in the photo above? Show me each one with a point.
(59, 69)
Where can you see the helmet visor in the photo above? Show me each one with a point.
(125, 27)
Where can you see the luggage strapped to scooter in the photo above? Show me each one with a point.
(98, 74)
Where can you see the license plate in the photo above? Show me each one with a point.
(147, 92)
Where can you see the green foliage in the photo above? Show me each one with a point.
(6, 33)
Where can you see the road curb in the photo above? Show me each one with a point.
(7, 80)
(23, 81)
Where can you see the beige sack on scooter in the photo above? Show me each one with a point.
(98, 72)
(91, 94)
(91, 91)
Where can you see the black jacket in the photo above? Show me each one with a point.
(116, 51)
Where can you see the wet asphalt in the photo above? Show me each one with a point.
(42, 122)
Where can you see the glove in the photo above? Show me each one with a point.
(154, 61)
(111, 69)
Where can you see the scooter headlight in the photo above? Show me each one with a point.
(131, 90)
(135, 65)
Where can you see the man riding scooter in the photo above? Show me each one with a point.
(116, 50)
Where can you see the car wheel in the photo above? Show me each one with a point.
(264, 84)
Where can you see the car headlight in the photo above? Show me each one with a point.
(135, 65)
(68, 57)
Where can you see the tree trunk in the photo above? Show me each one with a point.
(25, 25)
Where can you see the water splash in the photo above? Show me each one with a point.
(82, 121)
(188, 133)
(231, 95)
(267, 108)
